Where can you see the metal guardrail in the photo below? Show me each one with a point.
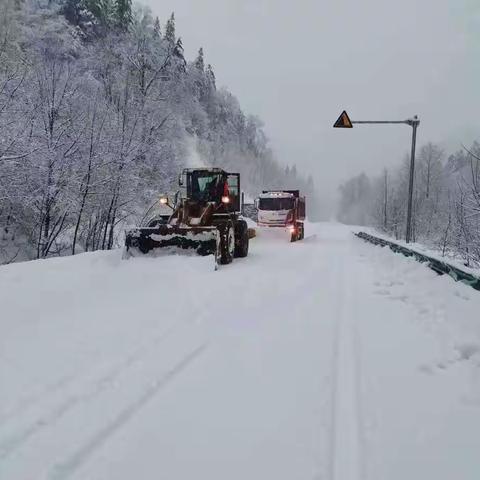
(439, 266)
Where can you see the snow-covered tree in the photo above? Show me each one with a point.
(98, 114)
(170, 36)
(199, 62)
(123, 13)
(157, 29)
(446, 201)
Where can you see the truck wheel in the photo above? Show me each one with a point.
(301, 231)
(227, 243)
(241, 239)
(295, 234)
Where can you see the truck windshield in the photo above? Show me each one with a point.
(275, 203)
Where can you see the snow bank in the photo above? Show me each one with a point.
(452, 259)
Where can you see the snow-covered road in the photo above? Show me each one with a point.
(325, 359)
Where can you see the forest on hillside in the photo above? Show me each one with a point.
(446, 201)
(99, 111)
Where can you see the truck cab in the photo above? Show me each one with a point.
(282, 209)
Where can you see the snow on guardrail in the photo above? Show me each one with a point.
(435, 264)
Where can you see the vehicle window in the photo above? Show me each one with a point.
(233, 185)
(205, 182)
(205, 186)
(275, 203)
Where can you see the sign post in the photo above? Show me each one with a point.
(344, 121)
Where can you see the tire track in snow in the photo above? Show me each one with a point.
(95, 387)
(67, 468)
(25, 403)
(360, 417)
(334, 377)
(347, 441)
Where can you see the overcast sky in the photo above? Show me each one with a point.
(298, 64)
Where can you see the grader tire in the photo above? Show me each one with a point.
(227, 243)
(241, 239)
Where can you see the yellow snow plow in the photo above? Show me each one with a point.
(206, 222)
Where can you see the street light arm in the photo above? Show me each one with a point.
(381, 122)
(345, 122)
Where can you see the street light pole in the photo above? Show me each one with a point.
(414, 124)
(345, 122)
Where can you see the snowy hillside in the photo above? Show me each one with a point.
(99, 112)
(323, 359)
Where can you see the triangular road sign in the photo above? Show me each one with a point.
(343, 121)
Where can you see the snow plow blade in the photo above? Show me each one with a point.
(170, 238)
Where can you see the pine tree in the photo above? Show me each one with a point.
(156, 28)
(199, 61)
(98, 9)
(72, 9)
(170, 30)
(123, 13)
(100, 13)
(178, 52)
(212, 81)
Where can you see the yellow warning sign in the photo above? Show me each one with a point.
(343, 121)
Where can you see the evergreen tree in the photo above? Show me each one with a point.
(199, 62)
(123, 13)
(170, 30)
(212, 82)
(178, 53)
(102, 11)
(72, 10)
(97, 7)
(156, 28)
